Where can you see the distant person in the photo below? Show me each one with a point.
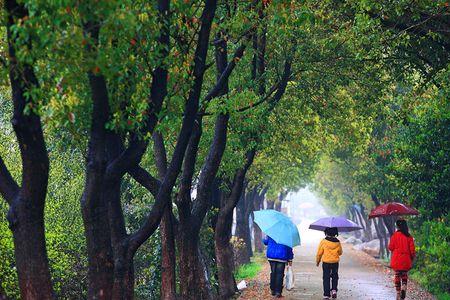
(278, 256)
(403, 253)
(329, 251)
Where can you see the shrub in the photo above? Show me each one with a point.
(432, 267)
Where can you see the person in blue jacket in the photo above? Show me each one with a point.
(278, 256)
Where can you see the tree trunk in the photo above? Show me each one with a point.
(363, 223)
(367, 221)
(243, 228)
(249, 198)
(98, 238)
(356, 219)
(381, 238)
(227, 284)
(123, 286)
(277, 206)
(352, 214)
(384, 236)
(27, 224)
(278, 203)
(27, 202)
(191, 287)
(369, 229)
(389, 222)
(257, 233)
(386, 240)
(168, 275)
(381, 225)
(205, 283)
(259, 246)
(94, 205)
(224, 256)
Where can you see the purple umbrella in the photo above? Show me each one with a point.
(342, 224)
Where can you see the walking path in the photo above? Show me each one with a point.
(360, 277)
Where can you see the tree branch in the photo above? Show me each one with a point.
(190, 114)
(190, 159)
(145, 179)
(8, 186)
(223, 79)
(158, 91)
(210, 168)
(238, 183)
(283, 84)
(212, 162)
(27, 126)
(160, 154)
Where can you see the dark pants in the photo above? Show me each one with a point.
(330, 272)
(276, 276)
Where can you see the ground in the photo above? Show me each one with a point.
(360, 277)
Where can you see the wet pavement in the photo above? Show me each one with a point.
(356, 281)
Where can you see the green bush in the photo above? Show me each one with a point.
(432, 267)
(8, 274)
(445, 296)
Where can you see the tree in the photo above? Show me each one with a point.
(26, 202)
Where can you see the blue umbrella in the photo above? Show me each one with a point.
(342, 224)
(278, 226)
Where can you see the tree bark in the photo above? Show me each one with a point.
(26, 203)
(385, 239)
(367, 221)
(192, 213)
(168, 275)
(389, 222)
(93, 205)
(224, 255)
(125, 246)
(362, 222)
(257, 233)
(227, 284)
(270, 204)
(167, 228)
(191, 216)
(382, 226)
(280, 200)
(243, 226)
(357, 220)
(352, 214)
(191, 268)
(381, 238)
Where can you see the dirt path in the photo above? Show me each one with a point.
(360, 277)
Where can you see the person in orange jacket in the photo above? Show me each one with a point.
(329, 251)
(403, 251)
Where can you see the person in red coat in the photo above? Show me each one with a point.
(403, 253)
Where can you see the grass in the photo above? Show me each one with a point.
(424, 282)
(445, 296)
(250, 270)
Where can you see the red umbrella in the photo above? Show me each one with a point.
(392, 209)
